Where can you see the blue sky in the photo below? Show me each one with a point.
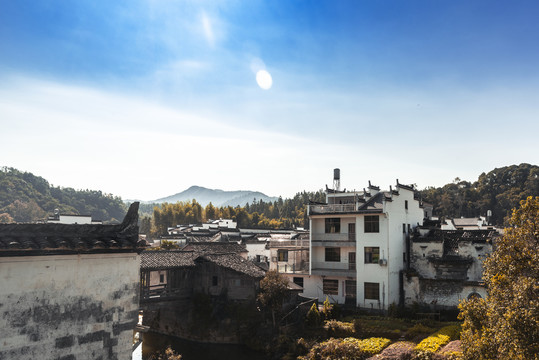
(144, 98)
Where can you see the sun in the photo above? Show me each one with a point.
(263, 78)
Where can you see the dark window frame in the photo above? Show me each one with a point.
(333, 225)
(372, 223)
(372, 254)
(282, 255)
(330, 287)
(332, 254)
(371, 291)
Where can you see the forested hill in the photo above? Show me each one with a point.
(25, 197)
(499, 190)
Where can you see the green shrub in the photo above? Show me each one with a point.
(426, 348)
(418, 330)
(358, 327)
(327, 310)
(349, 348)
(313, 318)
(339, 329)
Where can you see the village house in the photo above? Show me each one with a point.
(358, 244)
(172, 281)
(69, 291)
(446, 266)
(58, 218)
(478, 223)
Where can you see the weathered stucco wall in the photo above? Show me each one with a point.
(439, 293)
(68, 306)
(440, 280)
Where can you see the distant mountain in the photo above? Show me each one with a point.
(217, 197)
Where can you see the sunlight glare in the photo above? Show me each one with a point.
(264, 80)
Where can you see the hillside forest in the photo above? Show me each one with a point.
(25, 197)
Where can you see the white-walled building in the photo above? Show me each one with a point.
(447, 266)
(358, 245)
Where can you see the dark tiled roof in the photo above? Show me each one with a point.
(457, 235)
(157, 260)
(216, 247)
(44, 239)
(235, 262)
(373, 203)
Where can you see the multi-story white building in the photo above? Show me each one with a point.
(358, 245)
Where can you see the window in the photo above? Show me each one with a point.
(350, 288)
(330, 287)
(351, 261)
(333, 254)
(372, 255)
(404, 228)
(333, 225)
(282, 255)
(406, 204)
(372, 291)
(298, 281)
(352, 232)
(214, 281)
(372, 224)
(404, 256)
(161, 278)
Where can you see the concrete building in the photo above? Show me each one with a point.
(69, 291)
(358, 245)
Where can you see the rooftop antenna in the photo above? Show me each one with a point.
(336, 179)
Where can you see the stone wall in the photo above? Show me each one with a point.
(68, 306)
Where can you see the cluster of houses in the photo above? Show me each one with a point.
(74, 291)
(367, 249)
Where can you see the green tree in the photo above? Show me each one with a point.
(273, 290)
(505, 325)
(5, 218)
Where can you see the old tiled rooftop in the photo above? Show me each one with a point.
(216, 247)
(43, 239)
(235, 262)
(166, 259)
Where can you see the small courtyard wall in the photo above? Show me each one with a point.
(68, 306)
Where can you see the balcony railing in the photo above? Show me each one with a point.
(334, 237)
(335, 269)
(293, 268)
(284, 244)
(331, 209)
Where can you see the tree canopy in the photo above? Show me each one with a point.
(273, 290)
(499, 190)
(280, 214)
(505, 325)
(25, 197)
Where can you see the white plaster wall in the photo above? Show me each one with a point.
(438, 293)
(68, 306)
(257, 249)
(390, 239)
(313, 288)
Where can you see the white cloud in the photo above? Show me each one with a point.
(208, 30)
